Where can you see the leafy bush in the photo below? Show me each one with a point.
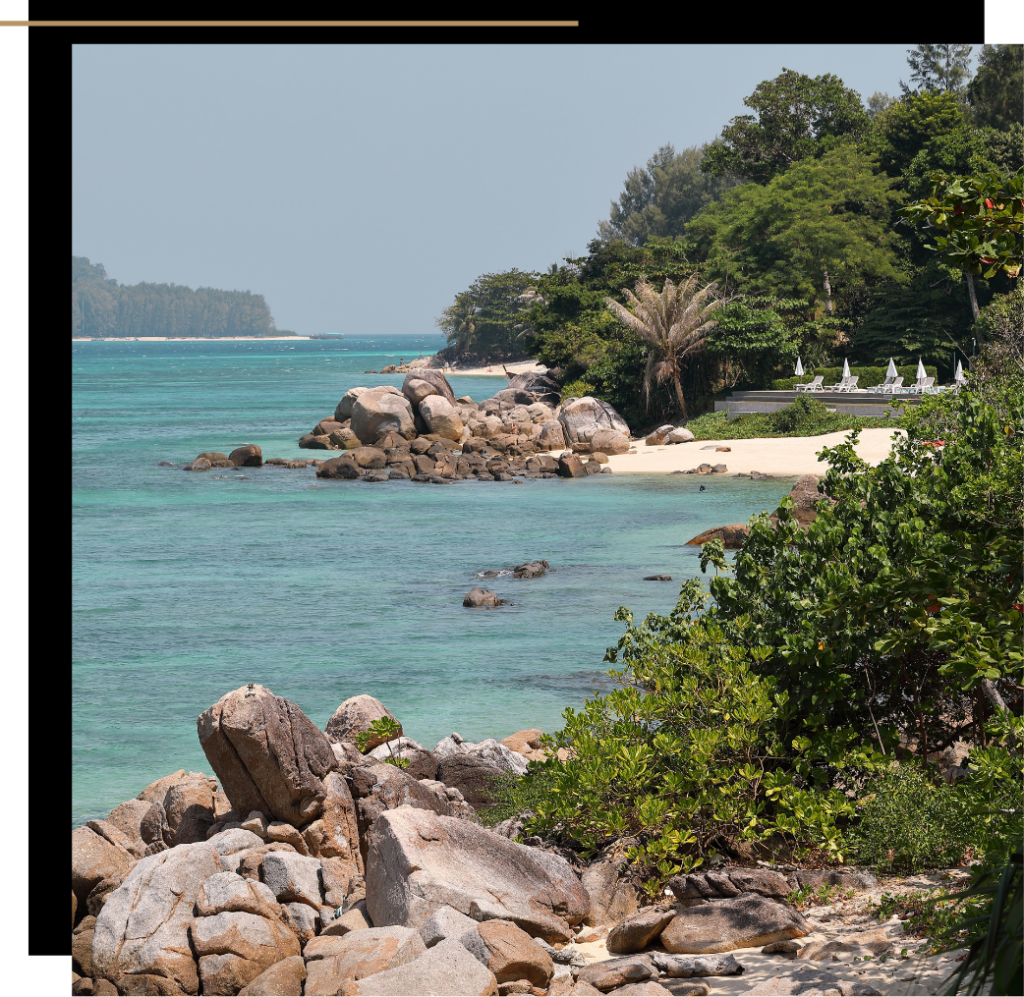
(880, 621)
(909, 823)
(692, 754)
(513, 795)
(577, 389)
(869, 377)
(804, 417)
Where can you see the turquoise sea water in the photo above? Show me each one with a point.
(189, 585)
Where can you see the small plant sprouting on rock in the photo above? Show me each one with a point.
(388, 729)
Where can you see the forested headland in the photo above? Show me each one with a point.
(798, 216)
(101, 307)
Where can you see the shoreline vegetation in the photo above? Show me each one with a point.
(840, 703)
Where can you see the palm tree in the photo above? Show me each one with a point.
(458, 321)
(674, 322)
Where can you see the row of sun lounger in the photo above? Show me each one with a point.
(891, 385)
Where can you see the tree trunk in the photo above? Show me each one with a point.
(680, 401)
(969, 281)
(828, 296)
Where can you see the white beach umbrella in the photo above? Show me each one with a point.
(846, 367)
(959, 376)
(799, 368)
(890, 371)
(921, 373)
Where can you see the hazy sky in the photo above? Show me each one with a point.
(358, 188)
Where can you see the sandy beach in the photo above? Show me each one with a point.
(784, 457)
(496, 370)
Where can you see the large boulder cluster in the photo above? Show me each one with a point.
(309, 866)
(424, 433)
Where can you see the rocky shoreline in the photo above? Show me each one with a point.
(309, 866)
(424, 433)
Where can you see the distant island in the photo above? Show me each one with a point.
(102, 308)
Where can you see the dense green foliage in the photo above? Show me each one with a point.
(815, 215)
(797, 117)
(806, 416)
(102, 307)
(908, 822)
(826, 653)
(658, 200)
(489, 317)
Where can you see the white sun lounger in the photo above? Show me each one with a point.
(814, 385)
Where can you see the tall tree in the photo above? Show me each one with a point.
(821, 226)
(938, 67)
(659, 199)
(797, 117)
(997, 91)
(674, 323)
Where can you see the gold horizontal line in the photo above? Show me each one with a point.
(289, 24)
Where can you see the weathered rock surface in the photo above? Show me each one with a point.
(739, 922)
(478, 597)
(227, 891)
(729, 881)
(683, 966)
(247, 456)
(368, 457)
(611, 973)
(330, 961)
(94, 859)
(419, 862)
(382, 410)
(445, 922)
(635, 932)
(446, 970)
(581, 418)
(551, 436)
(335, 834)
(441, 417)
(571, 467)
(199, 464)
(344, 407)
(509, 952)
(859, 879)
(354, 717)
(612, 897)
(283, 979)
(235, 947)
(680, 435)
(474, 777)
(339, 467)
(143, 926)
(268, 755)
(293, 877)
(732, 536)
(434, 378)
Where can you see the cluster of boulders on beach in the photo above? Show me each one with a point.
(424, 433)
(309, 866)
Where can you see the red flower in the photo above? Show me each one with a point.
(1019, 606)
(988, 203)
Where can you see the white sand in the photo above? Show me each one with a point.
(785, 457)
(496, 370)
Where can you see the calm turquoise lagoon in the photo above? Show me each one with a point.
(186, 586)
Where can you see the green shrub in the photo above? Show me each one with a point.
(514, 795)
(578, 389)
(690, 754)
(909, 823)
(869, 377)
(806, 416)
